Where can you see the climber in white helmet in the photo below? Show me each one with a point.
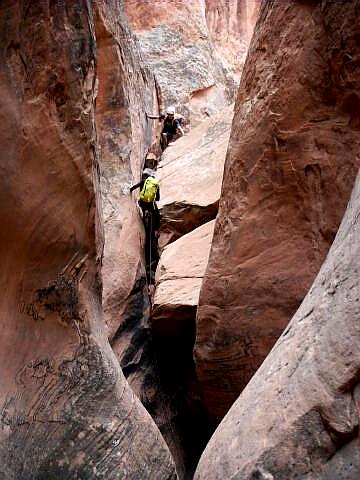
(172, 126)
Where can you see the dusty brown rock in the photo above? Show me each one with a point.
(176, 44)
(299, 415)
(292, 158)
(190, 175)
(66, 409)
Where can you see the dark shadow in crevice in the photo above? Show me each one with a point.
(174, 343)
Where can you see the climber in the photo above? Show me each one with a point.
(172, 126)
(149, 194)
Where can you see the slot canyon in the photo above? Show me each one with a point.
(223, 343)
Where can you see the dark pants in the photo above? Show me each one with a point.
(151, 207)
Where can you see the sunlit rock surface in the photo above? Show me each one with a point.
(180, 271)
(290, 167)
(190, 175)
(231, 24)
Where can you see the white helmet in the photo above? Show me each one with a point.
(170, 110)
(149, 173)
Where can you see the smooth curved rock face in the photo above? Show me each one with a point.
(123, 90)
(291, 163)
(176, 43)
(298, 418)
(124, 93)
(121, 160)
(190, 175)
(66, 410)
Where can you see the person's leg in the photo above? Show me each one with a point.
(156, 217)
(164, 140)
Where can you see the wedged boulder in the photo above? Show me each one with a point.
(290, 167)
(180, 272)
(178, 279)
(175, 41)
(66, 408)
(190, 175)
(299, 415)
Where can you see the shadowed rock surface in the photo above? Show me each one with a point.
(290, 167)
(67, 411)
(124, 86)
(298, 418)
(190, 174)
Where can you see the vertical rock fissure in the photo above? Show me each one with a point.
(174, 345)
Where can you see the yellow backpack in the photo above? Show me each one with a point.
(148, 192)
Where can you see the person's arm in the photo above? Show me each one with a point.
(179, 127)
(137, 185)
(155, 117)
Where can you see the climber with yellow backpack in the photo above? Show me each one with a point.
(149, 194)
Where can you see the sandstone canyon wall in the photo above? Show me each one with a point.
(125, 91)
(66, 410)
(75, 87)
(190, 173)
(124, 86)
(298, 418)
(292, 159)
(231, 24)
(194, 69)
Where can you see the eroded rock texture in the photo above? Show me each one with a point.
(177, 45)
(299, 415)
(291, 163)
(190, 173)
(66, 410)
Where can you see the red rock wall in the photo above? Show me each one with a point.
(67, 411)
(299, 415)
(290, 167)
(123, 89)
